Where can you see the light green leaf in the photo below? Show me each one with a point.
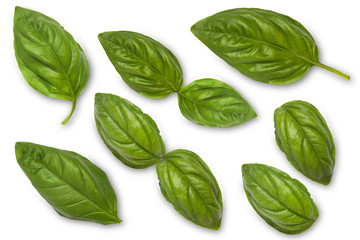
(214, 103)
(305, 138)
(131, 135)
(187, 182)
(281, 201)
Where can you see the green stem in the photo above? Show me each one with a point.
(70, 114)
(341, 74)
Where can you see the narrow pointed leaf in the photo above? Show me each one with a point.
(143, 63)
(71, 184)
(263, 45)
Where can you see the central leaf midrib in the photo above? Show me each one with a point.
(282, 204)
(76, 190)
(57, 57)
(131, 138)
(306, 137)
(264, 42)
(142, 60)
(183, 175)
(204, 106)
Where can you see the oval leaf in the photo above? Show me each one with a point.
(131, 135)
(263, 45)
(214, 103)
(70, 183)
(281, 201)
(51, 61)
(187, 182)
(143, 63)
(303, 135)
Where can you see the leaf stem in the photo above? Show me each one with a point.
(341, 74)
(71, 113)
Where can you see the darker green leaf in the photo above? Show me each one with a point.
(51, 61)
(70, 183)
(263, 45)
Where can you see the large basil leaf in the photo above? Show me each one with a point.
(214, 103)
(303, 135)
(187, 182)
(263, 45)
(71, 184)
(51, 61)
(281, 201)
(131, 135)
(143, 63)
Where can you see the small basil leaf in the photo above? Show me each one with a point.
(70, 183)
(131, 135)
(214, 103)
(303, 135)
(263, 45)
(51, 61)
(281, 201)
(187, 182)
(143, 63)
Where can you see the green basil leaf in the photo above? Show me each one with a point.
(70, 183)
(51, 61)
(303, 135)
(281, 201)
(263, 45)
(187, 182)
(143, 63)
(131, 135)
(214, 103)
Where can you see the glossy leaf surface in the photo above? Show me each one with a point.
(303, 135)
(214, 103)
(143, 63)
(266, 46)
(187, 182)
(51, 61)
(281, 201)
(131, 135)
(70, 183)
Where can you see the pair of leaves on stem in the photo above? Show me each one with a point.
(263, 45)
(70, 183)
(281, 201)
(51, 61)
(303, 135)
(153, 71)
(184, 178)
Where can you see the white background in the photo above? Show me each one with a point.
(27, 115)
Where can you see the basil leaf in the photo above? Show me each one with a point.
(187, 182)
(266, 46)
(281, 201)
(51, 61)
(70, 183)
(306, 140)
(214, 103)
(143, 63)
(131, 135)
